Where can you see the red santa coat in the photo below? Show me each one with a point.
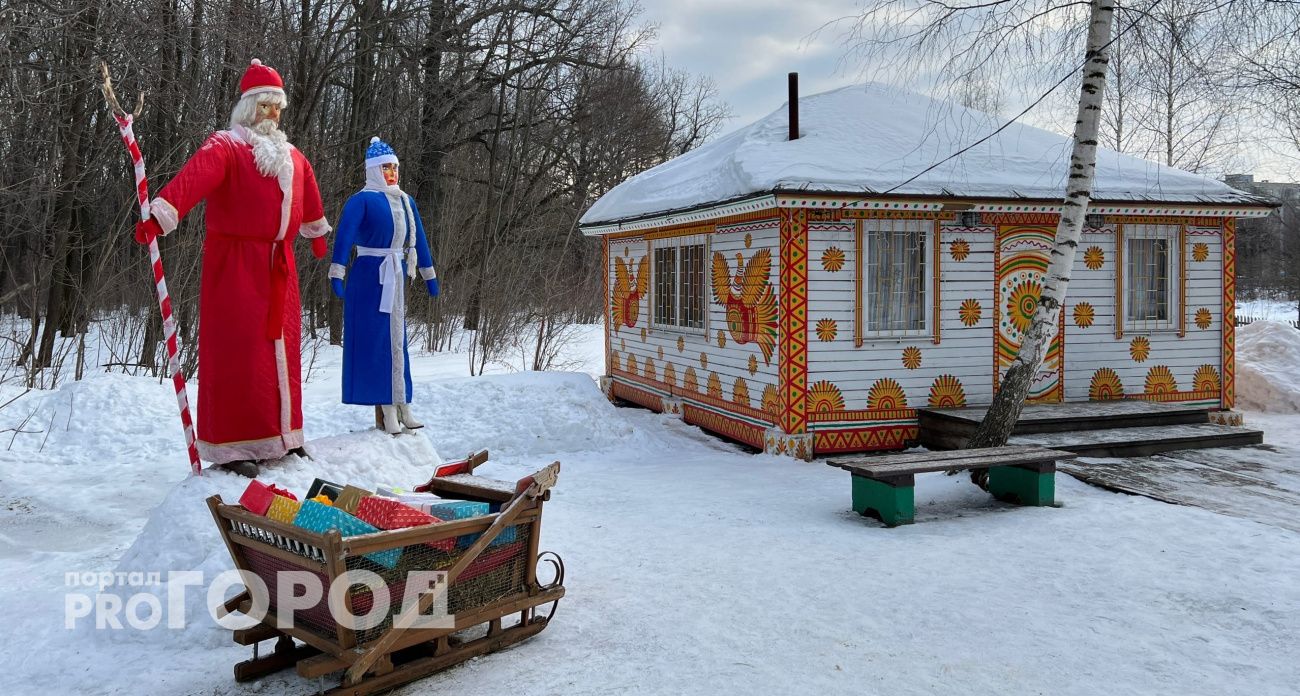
(250, 379)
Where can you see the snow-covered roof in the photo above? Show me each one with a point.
(871, 139)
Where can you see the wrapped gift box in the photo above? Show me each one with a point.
(257, 498)
(350, 498)
(329, 489)
(283, 509)
(464, 509)
(386, 513)
(320, 518)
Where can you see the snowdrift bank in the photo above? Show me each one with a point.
(1268, 367)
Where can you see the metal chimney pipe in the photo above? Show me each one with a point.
(794, 106)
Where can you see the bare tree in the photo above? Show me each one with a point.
(975, 37)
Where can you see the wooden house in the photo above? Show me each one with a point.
(806, 295)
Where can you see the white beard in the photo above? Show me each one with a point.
(271, 148)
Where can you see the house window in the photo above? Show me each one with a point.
(1150, 277)
(678, 282)
(894, 277)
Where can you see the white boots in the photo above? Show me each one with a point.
(391, 417)
(404, 414)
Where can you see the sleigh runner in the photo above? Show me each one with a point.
(491, 588)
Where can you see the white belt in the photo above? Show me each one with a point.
(390, 274)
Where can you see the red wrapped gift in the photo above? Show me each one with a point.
(258, 496)
(386, 514)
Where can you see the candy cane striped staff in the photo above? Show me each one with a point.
(124, 121)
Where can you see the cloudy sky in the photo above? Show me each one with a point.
(748, 46)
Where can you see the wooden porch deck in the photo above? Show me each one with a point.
(1096, 428)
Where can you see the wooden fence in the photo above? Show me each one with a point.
(1241, 320)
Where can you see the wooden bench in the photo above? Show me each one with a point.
(884, 486)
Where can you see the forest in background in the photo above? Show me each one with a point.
(510, 117)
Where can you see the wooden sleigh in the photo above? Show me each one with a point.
(491, 585)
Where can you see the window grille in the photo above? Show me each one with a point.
(680, 300)
(1151, 270)
(895, 277)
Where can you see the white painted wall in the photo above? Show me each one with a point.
(731, 362)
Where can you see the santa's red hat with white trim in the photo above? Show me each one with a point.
(260, 79)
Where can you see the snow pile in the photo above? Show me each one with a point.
(1268, 367)
(180, 534)
(874, 139)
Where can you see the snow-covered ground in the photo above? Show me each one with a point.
(693, 567)
(1269, 308)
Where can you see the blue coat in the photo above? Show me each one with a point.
(376, 366)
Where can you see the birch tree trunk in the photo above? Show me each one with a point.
(1007, 404)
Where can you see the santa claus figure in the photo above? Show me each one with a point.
(384, 224)
(262, 195)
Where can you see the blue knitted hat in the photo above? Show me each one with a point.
(379, 153)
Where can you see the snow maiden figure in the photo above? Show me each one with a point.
(385, 225)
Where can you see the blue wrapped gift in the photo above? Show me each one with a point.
(320, 518)
(462, 509)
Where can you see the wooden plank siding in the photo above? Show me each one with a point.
(1137, 354)
(863, 397)
(741, 370)
(962, 350)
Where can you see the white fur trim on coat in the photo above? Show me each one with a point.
(428, 273)
(338, 271)
(315, 228)
(165, 214)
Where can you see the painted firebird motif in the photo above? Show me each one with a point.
(628, 289)
(749, 300)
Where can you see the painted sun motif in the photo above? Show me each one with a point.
(670, 375)
(753, 365)
(1094, 257)
(704, 360)
(715, 385)
(1083, 315)
(722, 339)
(1160, 381)
(827, 329)
(959, 249)
(1200, 251)
(690, 382)
(631, 364)
(911, 357)
(1022, 304)
(1204, 318)
(970, 312)
(771, 401)
(886, 394)
(681, 344)
(648, 369)
(1205, 379)
(1139, 348)
(614, 363)
(740, 392)
(1105, 386)
(947, 392)
(824, 397)
(833, 259)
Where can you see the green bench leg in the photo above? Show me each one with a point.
(1024, 486)
(889, 503)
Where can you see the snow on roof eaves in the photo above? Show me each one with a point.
(869, 140)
